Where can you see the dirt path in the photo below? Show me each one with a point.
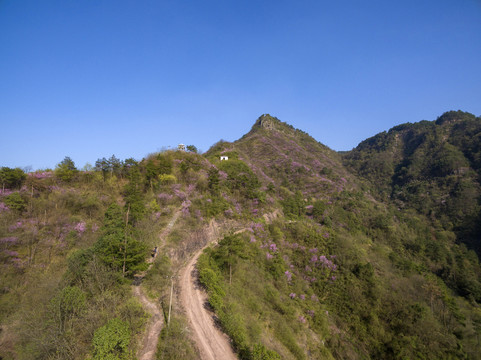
(151, 335)
(212, 343)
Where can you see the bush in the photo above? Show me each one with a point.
(111, 341)
(15, 202)
(262, 353)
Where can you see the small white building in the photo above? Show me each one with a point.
(223, 157)
(181, 147)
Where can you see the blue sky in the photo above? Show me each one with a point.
(92, 78)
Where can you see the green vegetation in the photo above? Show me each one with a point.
(370, 254)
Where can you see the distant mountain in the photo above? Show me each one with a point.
(431, 166)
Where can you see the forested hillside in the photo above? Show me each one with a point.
(368, 254)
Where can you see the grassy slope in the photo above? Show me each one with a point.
(385, 298)
(335, 274)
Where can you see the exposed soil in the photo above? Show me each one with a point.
(212, 343)
(151, 336)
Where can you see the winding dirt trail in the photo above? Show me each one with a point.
(151, 336)
(212, 343)
(156, 321)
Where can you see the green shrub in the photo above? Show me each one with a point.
(260, 352)
(15, 202)
(111, 341)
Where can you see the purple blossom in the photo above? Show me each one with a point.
(292, 295)
(222, 175)
(303, 297)
(310, 313)
(41, 175)
(326, 235)
(309, 207)
(165, 197)
(302, 319)
(258, 227)
(5, 192)
(180, 194)
(308, 268)
(333, 278)
(269, 256)
(253, 239)
(15, 226)
(16, 262)
(314, 298)
(288, 275)
(273, 247)
(254, 211)
(80, 227)
(10, 253)
(314, 250)
(326, 263)
(9, 240)
(3, 207)
(209, 200)
(228, 212)
(95, 227)
(295, 245)
(314, 258)
(185, 207)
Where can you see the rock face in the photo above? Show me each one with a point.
(266, 122)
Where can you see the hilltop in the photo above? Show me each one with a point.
(313, 253)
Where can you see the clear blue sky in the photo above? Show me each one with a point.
(92, 78)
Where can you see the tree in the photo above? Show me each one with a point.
(69, 303)
(102, 165)
(192, 148)
(128, 165)
(116, 247)
(115, 165)
(133, 196)
(213, 179)
(12, 178)
(66, 169)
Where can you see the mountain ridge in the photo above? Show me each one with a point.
(362, 259)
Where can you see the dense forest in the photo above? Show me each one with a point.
(371, 253)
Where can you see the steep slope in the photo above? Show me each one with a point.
(341, 274)
(431, 166)
(283, 156)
